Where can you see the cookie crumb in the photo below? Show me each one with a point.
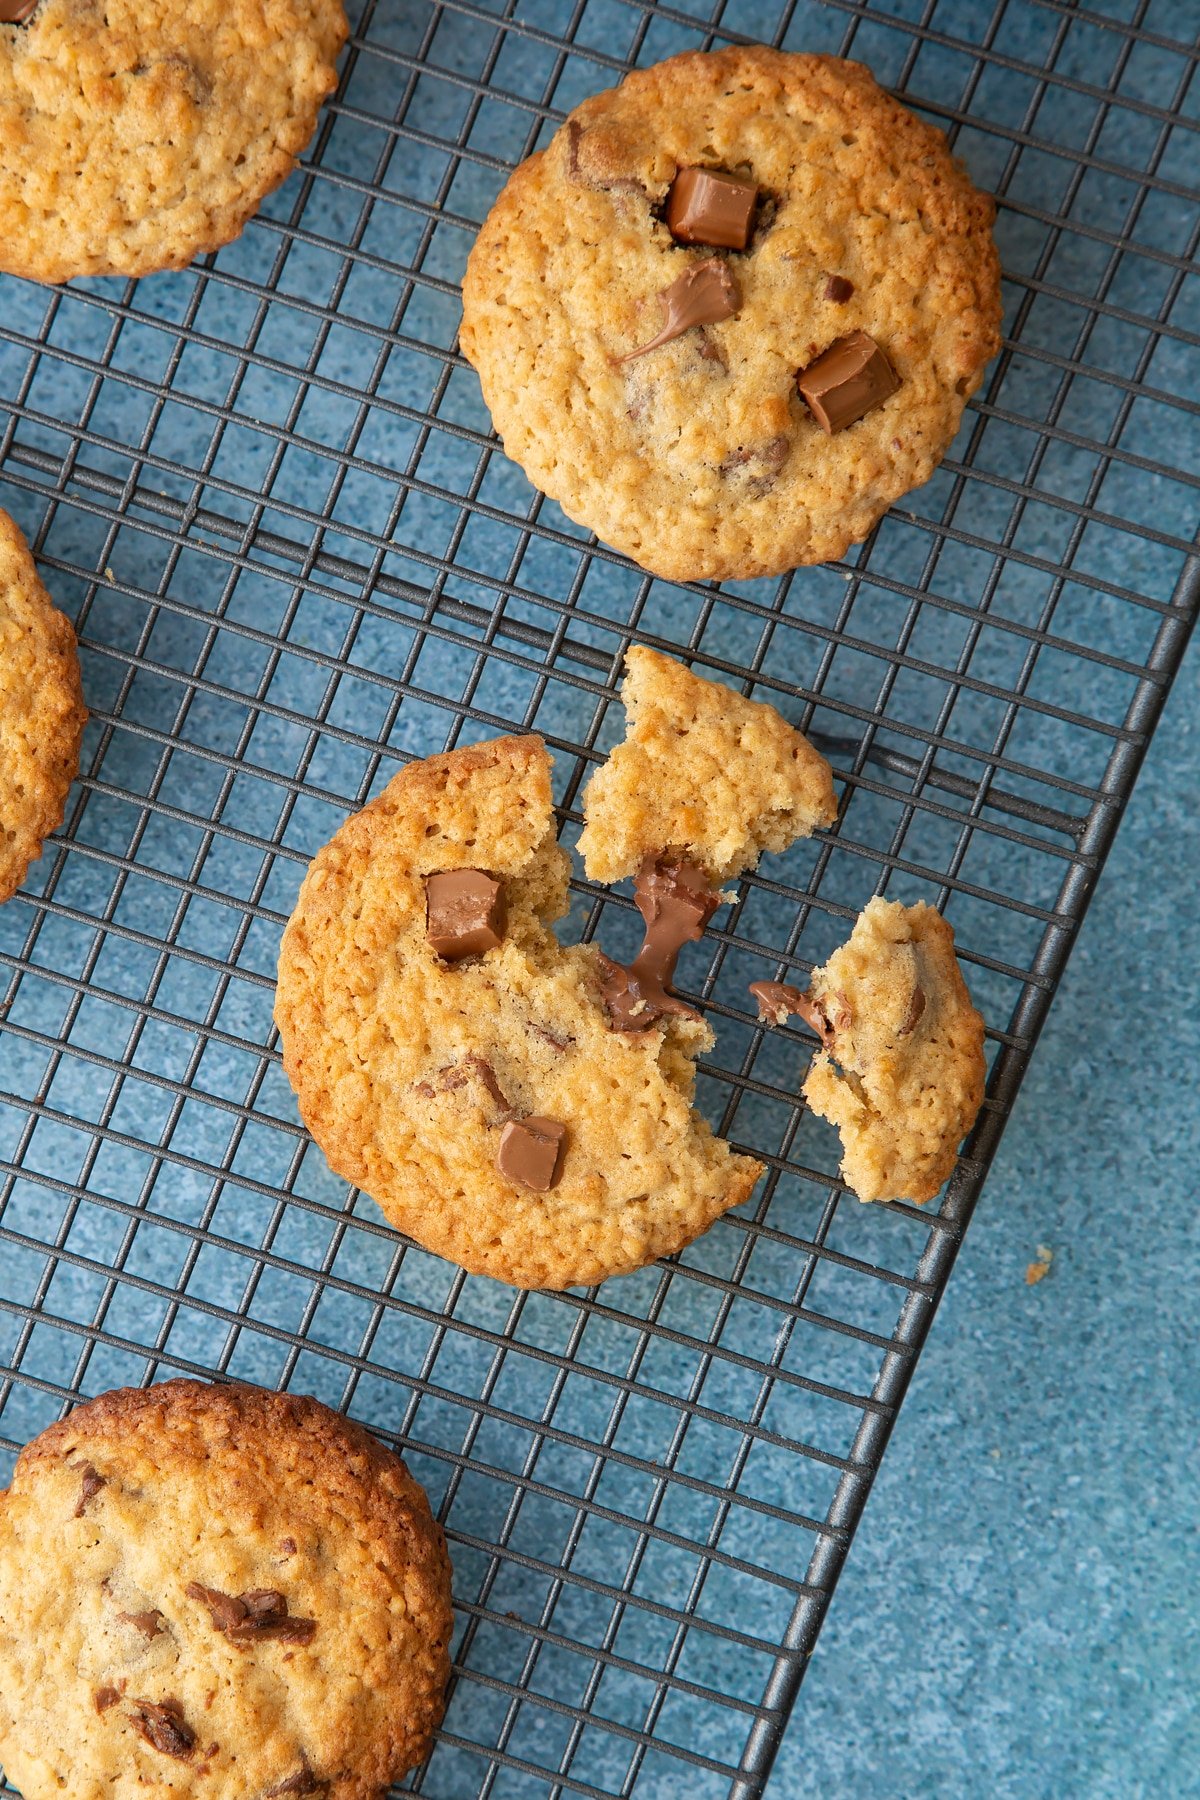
(1038, 1271)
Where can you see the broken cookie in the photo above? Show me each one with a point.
(702, 773)
(902, 1070)
(598, 1164)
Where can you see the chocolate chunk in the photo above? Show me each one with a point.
(225, 1609)
(531, 1152)
(770, 458)
(634, 1005)
(304, 1781)
(162, 1725)
(15, 12)
(676, 901)
(703, 295)
(89, 1486)
(457, 1075)
(148, 1623)
(549, 1037)
(706, 206)
(287, 1547)
(465, 913)
(258, 1613)
(838, 289)
(199, 85)
(916, 1007)
(776, 999)
(105, 1697)
(484, 1073)
(846, 381)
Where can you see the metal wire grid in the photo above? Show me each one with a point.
(267, 491)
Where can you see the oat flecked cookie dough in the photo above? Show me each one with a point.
(734, 310)
(137, 134)
(701, 770)
(901, 1072)
(217, 1592)
(457, 1062)
(41, 710)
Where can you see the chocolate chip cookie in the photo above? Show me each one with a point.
(41, 710)
(455, 1060)
(702, 771)
(733, 310)
(216, 1591)
(901, 1071)
(134, 136)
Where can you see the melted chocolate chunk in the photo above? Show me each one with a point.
(634, 1003)
(304, 1781)
(771, 457)
(15, 12)
(838, 289)
(149, 1623)
(90, 1484)
(776, 999)
(465, 913)
(846, 381)
(706, 206)
(703, 295)
(256, 1614)
(457, 1075)
(916, 1007)
(105, 1697)
(676, 902)
(162, 1725)
(531, 1152)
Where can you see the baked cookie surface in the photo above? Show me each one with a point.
(700, 458)
(414, 1073)
(701, 770)
(216, 1591)
(136, 134)
(42, 713)
(902, 1073)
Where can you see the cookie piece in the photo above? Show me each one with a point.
(701, 458)
(902, 1071)
(408, 1067)
(135, 136)
(217, 1591)
(42, 714)
(701, 770)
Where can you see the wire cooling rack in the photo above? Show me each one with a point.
(266, 490)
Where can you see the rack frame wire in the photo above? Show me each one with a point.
(296, 558)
